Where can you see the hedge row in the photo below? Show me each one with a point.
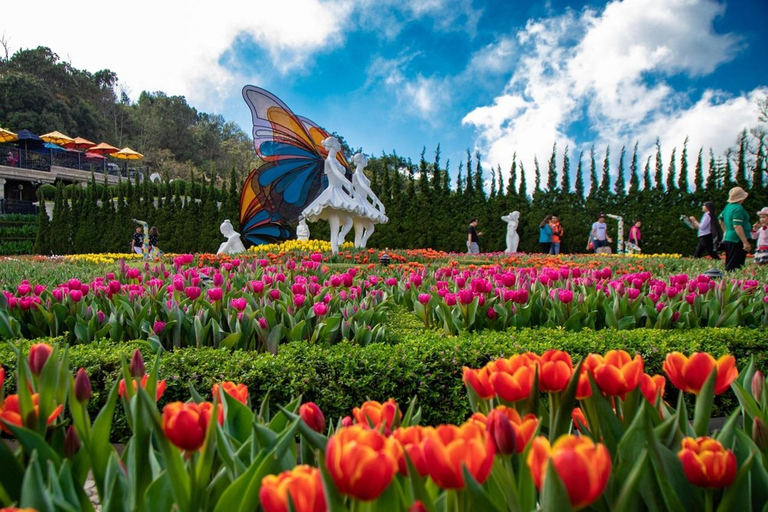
(425, 365)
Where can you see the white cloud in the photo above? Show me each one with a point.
(416, 95)
(610, 70)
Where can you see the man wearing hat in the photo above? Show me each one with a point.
(735, 221)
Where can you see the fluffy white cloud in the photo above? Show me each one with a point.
(609, 70)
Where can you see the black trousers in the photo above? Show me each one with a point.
(706, 246)
(735, 255)
(545, 247)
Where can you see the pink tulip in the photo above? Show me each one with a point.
(75, 295)
(192, 292)
(23, 289)
(274, 294)
(298, 300)
(565, 296)
(492, 314)
(320, 309)
(218, 279)
(238, 304)
(215, 294)
(263, 323)
(424, 298)
(158, 326)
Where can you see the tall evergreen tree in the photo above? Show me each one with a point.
(523, 185)
(634, 178)
(620, 180)
(741, 165)
(759, 171)
(536, 175)
(682, 180)
(43, 238)
(593, 185)
(698, 174)
(605, 182)
(728, 170)
(470, 184)
(580, 178)
(712, 178)
(437, 181)
(479, 180)
(647, 185)
(672, 170)
(565, 184)
(659, 176)
(493, 183)
(511, 190)
(424, 185)
(552, 170)
(500, 176)
(460, 180)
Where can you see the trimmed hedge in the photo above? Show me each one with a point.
(422, 364)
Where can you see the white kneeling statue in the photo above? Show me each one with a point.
(513, 239)
(302, 230)
(233, 245)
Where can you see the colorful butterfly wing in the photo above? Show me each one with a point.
(260, 223)
(318, 135)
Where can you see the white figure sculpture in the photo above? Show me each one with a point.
(233, 245)
(513, 239)
(334, 204)
(374, 212)
(302, 230)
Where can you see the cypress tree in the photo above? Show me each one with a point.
(741, 166)
(43, 237)
(469, 185)
(536, 175)
(565, 184)
(659, 178)
(479, 180)
(682, 180)
(523, 185)
(580, 178)
(620, 181)
(647, 174)
(424, 185)
(501, 180)
(552, 170)
(672, 170)
(493, 183)
(757, 174)
(437, 185)
(511, 190)
(460, 180)
(634, 178)
(592, 173)
(712, 175)
(698, 175)
(728, 171)
(605, 182)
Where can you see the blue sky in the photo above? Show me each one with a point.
(490, 75)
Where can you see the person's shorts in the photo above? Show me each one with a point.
(137, 250)
(474, 248)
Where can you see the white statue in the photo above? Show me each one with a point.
(302, 230)
(374, 212)
(233, 245)
(513, 239)
(336, 203)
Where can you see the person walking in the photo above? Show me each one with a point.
(557, 234)
(600, 236)
(734, 221)
(137, 242)
(154, 250)
(709, 232)
(545, 234)
(473, 239)
(760, 233)
(635, 236)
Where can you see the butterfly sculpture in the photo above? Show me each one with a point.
(291, 175)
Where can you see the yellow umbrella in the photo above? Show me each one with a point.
(127, 154)
(7, 136)
(57, 138)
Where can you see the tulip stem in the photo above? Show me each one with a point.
(708, 500)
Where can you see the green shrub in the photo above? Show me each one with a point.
(425, 365)
(48, 191)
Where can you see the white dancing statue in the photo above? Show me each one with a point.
(233, 245)
(513, 239)
(336, 203)
(372, 210)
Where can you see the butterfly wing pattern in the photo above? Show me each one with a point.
(291, 175)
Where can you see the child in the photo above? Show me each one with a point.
(760, 233)
(138, 241)
(143, 248)
(154, 250)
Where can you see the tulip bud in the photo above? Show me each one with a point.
(417, 506)
(757, 385)
(312, 415)
(346, 421)
(137, 364)
(2, 378)
(500, 429)
(759, 433)
(71, 442)
(82, 386)
(38, 355)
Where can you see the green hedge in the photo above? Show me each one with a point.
(426, 365)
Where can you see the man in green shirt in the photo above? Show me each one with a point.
(735, 223)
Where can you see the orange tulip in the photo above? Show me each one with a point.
(652, 387)
(512, 379)
(121, 388)
(617, 373)
(10, 412)
(185, 424)
(311, 414)
(524, 427)
(690, 374)
(583, 466)
(376, 414)
(38, 356)
(555, 370)
(479, 380)
(452, 447)
(2, 377)
(303, 483)
(707, 463)
(361, 461)
(237, 391)
(411, 440)
(584, 388)
(579, 421)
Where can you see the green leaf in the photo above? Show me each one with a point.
(737, 495)
(100, 448)
(12, 473)
(479, 498)
(627, 499)
(33, 492)
(553, 494)
(704, 402)
(157, 498)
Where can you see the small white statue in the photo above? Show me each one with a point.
(302, 230)
(334, 204)
(367, 201)
(233, 245)
(513, 239)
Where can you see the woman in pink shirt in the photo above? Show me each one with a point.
(634, 233)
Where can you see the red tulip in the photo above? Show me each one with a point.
(237, 391)
(512, 379)
(122, 391)
(652, 387)
(690, 374)
(185, 424)
(583, 466)
(555, 370)
(311, 414)
(707, 463)
(524, 428)
(617, 373)
(480, 382)
(303, 483)
(11, 413)
(375, 414)
(38, 356)
(411, 440)
(137, 364)
(451, 448)
(82, 386)
(579, 421)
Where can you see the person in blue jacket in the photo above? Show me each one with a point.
(545, 234)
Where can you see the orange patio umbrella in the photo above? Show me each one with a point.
(79, 143)
(103, 148)
(7, 135)
(127, 154)
(57, 138)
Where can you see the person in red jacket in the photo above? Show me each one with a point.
(557, 233)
